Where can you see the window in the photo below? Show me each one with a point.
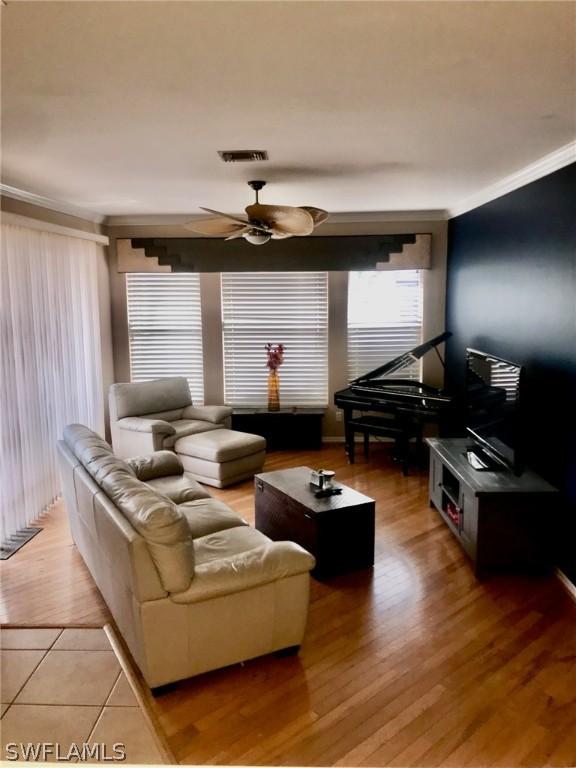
(165, 328)
(289, 308)
(384, 319)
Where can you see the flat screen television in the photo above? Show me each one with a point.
(493, 398)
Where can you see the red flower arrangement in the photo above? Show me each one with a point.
(275, 356)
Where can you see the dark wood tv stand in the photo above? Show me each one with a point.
(501, 521)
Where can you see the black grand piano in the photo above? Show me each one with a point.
(405, 405)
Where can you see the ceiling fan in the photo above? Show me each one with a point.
(263, 222)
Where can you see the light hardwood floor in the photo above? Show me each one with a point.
(413, 663)
(47, 583)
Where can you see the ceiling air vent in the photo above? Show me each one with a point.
(243, 155)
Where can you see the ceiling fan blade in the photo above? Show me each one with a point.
(279, 235)
(319, 216)
(217, 226)
(238, 219)
(239, 233)
(285, 218)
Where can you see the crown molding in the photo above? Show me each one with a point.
(377, 217)
(53, 205)
(543, 167)
(364, 217)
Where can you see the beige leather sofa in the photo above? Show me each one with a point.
(190, 585)
(153, 415)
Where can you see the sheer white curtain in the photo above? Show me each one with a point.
(50, 368)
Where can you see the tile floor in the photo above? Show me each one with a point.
(66, 687)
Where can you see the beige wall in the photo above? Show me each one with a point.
(10, 205)
(434, 306)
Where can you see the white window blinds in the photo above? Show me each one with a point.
(51, 363)
(165, 328)
(384, 319)
(289, 308)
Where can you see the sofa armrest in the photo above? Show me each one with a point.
(215, 414)
(138, 424)
(256, 567)
(155, 465)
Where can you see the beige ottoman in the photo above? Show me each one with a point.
(222, 456)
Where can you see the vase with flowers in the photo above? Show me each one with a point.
(275, 354)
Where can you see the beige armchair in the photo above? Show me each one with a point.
(152, 415)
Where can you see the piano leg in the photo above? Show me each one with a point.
(348, 436)
(405, 455)
(420, 444)
(366, 444)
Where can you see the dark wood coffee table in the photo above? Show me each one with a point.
(337, 530)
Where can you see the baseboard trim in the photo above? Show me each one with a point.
(357, 439)
(568, 585)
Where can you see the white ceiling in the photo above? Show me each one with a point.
(120, 107)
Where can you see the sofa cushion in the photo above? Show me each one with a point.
(158, 464)
(220, 445)
(94, 453)
(76, 432)
(179, 488)
(206, 516)
(159, 521)
(184, 427)
(140, 399)
(154, 517)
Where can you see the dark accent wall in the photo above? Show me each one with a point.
(511, 291)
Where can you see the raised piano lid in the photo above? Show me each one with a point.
(403, 360)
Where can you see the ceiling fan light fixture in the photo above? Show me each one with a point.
(262, 222)
(256, 238)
